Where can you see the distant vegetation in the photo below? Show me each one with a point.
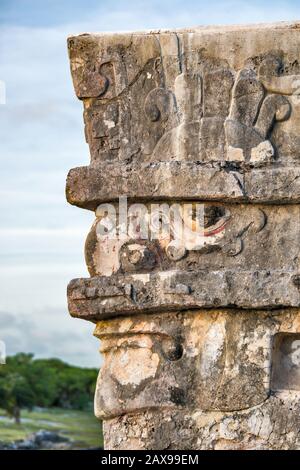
(26, 383)
(81, 427)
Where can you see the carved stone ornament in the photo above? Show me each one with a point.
(194, 252)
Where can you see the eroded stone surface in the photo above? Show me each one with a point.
(106, 297)
(257, 428)
(212, 386)
(199, 333)
(200, 360)
(242, 237)
(224, 99)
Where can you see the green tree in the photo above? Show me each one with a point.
(26, 382)
(15, 393)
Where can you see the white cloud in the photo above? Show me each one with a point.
(62, 337)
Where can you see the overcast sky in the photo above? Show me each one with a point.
(41, 138)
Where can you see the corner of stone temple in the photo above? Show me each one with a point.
(193, 257)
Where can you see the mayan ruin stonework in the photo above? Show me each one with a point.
(199, 331)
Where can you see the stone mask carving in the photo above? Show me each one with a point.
(199, 328)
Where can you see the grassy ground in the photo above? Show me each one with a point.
(79, 426)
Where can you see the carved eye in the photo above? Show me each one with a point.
(158, 104)
(172, 349)
(212, 214)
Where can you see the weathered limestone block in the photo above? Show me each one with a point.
(257, 428)
(210, 379)
(205, 359)
(194, 252)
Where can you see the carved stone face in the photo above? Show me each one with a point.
(207, 360)
(156, 237)
(228, 236)
(199, 329)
